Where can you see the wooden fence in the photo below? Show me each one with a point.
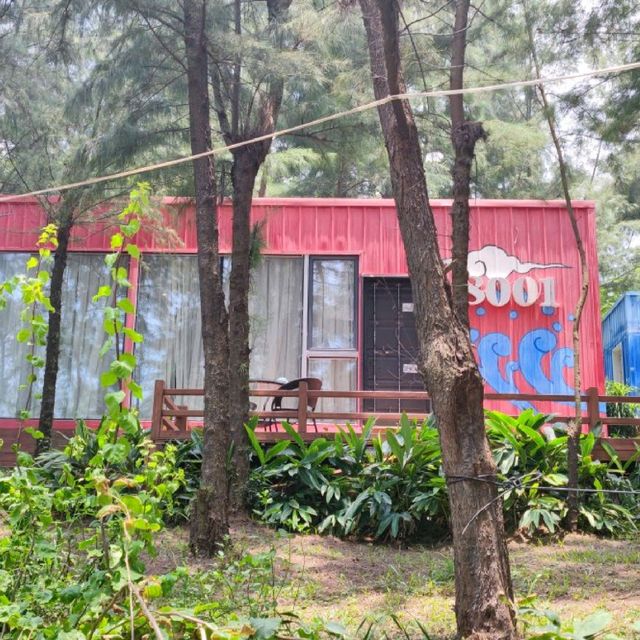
(172, 420)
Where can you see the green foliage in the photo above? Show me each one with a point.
(393, 487)
(533, 461)
(543, 624)
(621, 409)
(32, 287)
(383, 488)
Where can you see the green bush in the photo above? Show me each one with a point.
(622, 410)
(393, 488)
(388, 489)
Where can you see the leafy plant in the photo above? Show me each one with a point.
(543, 624)
(32, 287)
(621, 409)
(392, 487)
(383, 488)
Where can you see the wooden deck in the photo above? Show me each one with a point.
(173, 421)
(172, 418)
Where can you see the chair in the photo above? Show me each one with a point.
(313, 384)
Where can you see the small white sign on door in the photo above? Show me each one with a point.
(410, 368)
(407, 307)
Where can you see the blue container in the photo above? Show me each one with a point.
(621, 341)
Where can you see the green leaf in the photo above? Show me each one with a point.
(103, 292)
(110, 259)
(257, 447)
(113, 400)
(264, 628)
(116, 240)
(133, 250)
(135, 388)
(132, 334)
(133, 504)
(556, 479)
(108, 378)
(131, 228)
(591, 626)
(104, 349)
(32, 262)
(126, 305)
(34, 433)
(23, 335)
(121, 369)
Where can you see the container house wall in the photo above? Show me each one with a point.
(621, 334)
(523, 344)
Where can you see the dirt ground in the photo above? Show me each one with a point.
(349, 582)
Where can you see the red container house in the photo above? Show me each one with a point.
(330, 299)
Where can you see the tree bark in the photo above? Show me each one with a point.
(246, 164)
(52, 352)
(464, 136)
(483, 582)
(209, 517)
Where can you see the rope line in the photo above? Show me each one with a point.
(329, 118)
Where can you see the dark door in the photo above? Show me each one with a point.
(390, 344)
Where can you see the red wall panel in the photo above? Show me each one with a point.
(522, 348)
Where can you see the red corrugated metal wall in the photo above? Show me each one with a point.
(522, 348)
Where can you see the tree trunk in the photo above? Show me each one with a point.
(464, 136)
(243, 175)
(209, 518)
(483, 582)
(52, 354)
(246, 164)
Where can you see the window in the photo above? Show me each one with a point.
(618, 364)
(332, 341)
(333, 303)
(339, 374)
(275, 312)
(13, 367)
(78, 392)
(168, 316)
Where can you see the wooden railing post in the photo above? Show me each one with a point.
(303, 402)
(593, 407)
(181, 421)
(156, 416)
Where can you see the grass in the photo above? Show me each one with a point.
(351, 582)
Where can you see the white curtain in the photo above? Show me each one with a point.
(337, 374)
(78, 391)
(275, 312)
(13, 367)
(168, 316)
(169, 319)
(332, 304)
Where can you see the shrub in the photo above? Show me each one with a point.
(392, 487)
(622, 410)
(387, 489)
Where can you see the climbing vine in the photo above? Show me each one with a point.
(32, 289)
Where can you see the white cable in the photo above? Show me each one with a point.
(335, 116)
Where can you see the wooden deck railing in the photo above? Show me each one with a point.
(173, 421)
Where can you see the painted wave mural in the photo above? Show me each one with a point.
(526, 350)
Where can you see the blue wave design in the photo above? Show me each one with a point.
(533, 347)
(561, 359)
(491, 349)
